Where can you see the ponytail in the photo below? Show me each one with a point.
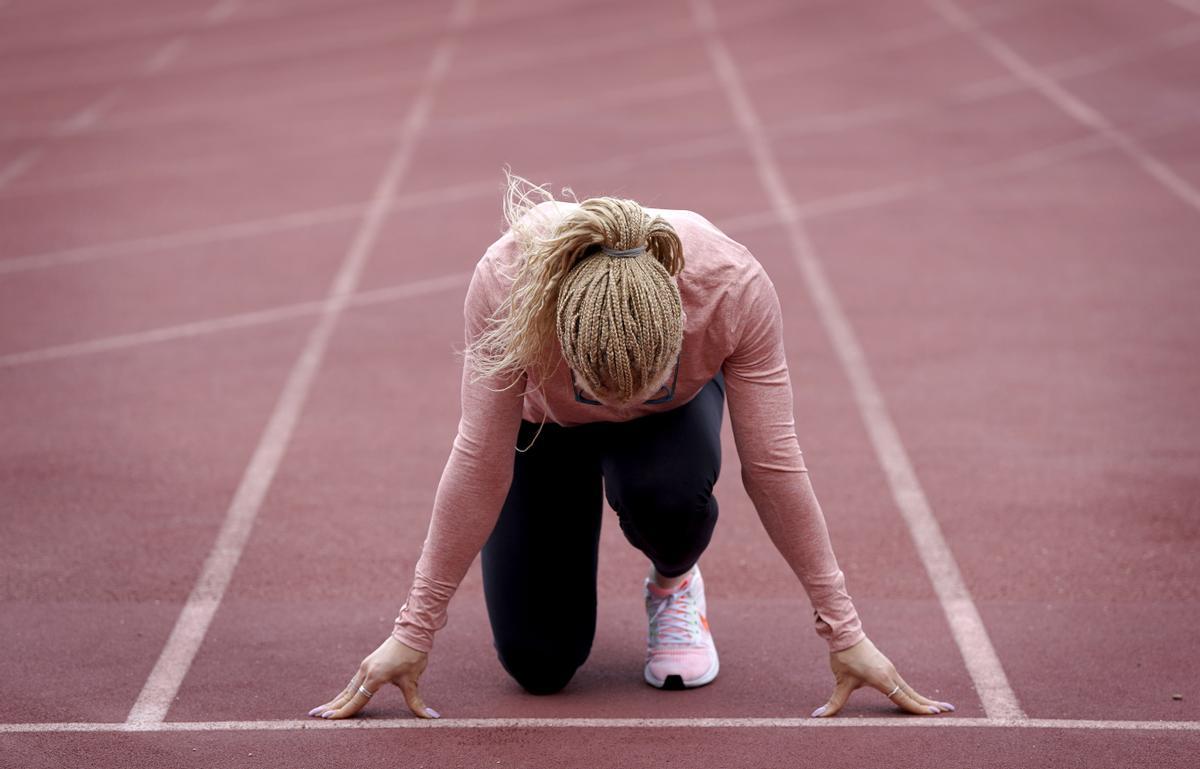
(615, 317)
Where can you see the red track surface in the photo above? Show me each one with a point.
(1004, 206)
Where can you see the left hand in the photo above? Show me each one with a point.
(864, 664)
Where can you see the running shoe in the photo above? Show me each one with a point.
(680, 653)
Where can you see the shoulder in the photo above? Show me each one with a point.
(502, 259)
(490, 282)
(713, 261)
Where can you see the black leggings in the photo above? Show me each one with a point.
(539, 564)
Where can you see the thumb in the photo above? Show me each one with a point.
(413, 698)
(841, 693)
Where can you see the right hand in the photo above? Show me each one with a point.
(392, 663)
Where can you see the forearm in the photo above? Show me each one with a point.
(465, 510)
(759, 395)
(470, 494)
(792, 517)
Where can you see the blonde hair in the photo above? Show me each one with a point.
(617, 321)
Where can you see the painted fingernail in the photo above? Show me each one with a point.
(933, 710)
(819, 711)
(316, 710)
(327, 714)
(433, 713)
(947, 706)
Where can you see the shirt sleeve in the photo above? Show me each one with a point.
(759, 396)
(473, 486)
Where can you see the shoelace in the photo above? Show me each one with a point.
(675, 619)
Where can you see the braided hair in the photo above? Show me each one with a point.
(617, 320)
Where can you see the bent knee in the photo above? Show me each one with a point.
(539, 670)
(668, 507)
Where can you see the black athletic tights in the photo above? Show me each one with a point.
(539, 564)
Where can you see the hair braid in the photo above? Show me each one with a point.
(617, 320)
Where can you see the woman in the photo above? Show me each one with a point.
(651, 352)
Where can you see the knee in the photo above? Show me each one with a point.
(673, 536)
(668, 506)
(539, 669)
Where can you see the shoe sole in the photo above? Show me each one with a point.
(676, 682)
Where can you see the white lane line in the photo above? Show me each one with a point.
(521, 60)
(223, 232)
(188, 634)
(232, 322)
(88, 116)
(982, 663)
(1172, 39)
(787, 64)
(221, 11)
(877, 196)
(889, 193)
(856, 200)
(908, 722)
(865, 116)
(436, 196)
(975, 91)
(301, 219)
(1192, 6)
(163, 57)
(1066, 101)
(19, 166)
(116, 31)
(271, 50)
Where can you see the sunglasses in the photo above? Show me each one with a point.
(668, 392)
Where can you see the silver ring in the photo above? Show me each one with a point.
(893, 691)
(363, 691)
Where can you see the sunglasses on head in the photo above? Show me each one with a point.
(665, 394)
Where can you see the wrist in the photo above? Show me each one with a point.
(406, 647)
(847, 641)
(417, 643)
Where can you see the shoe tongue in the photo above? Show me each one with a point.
(663, 592)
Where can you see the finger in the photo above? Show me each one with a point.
(413, 698)
(343, 696)
(911, 692)
(906, 702)
(841, 693)
(361, 696)
(892, 686)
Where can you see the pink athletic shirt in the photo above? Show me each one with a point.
(733, 324)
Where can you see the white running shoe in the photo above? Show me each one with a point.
(680, 653)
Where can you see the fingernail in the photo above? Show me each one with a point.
(947, 706)
(327, 714)
(433, 713)
(819, 711)
(315, 710)
(933, 710)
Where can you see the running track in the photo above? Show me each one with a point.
(234, 241)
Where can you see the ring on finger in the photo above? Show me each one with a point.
(892, 693)
(363, 691)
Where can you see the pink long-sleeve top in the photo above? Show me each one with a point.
(733, 324)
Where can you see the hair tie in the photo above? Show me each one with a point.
(629, 252)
